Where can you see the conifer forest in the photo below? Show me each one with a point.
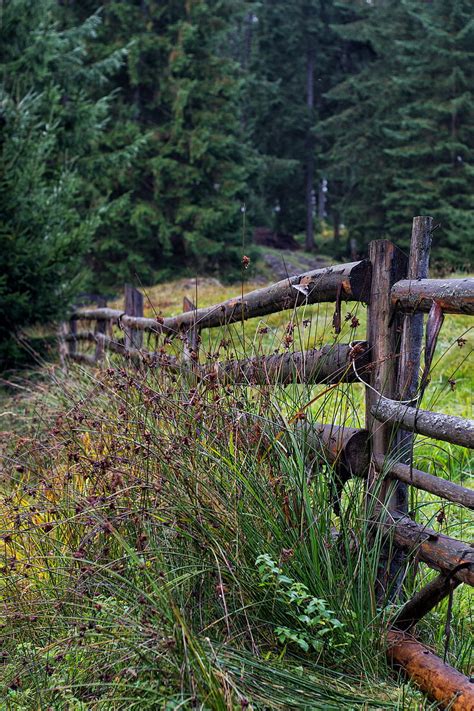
(236, 355)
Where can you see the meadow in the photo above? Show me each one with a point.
(171, 544)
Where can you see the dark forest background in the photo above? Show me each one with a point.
(134, 132)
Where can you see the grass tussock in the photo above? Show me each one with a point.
(172, 544)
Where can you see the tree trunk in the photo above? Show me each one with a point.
(309, 148)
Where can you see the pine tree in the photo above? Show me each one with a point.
(359, 107)
(201, 168)
(179, 92)
(430, 140)
(400, 134)
(50, 132)
(298, 59)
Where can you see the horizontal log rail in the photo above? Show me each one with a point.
(438, 486)
(438, 680)
(424, 601)
(437, 550)
(350, 282)
(454, 296)
(449, 428)
(330, 364)
(345, 447)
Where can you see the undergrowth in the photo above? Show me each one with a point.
(168, 543)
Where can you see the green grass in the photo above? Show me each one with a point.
(135, 506)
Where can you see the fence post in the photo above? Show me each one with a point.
(389, 265)
(100, 329)
(191, 337)
(133, 307)
(72, 343)
(412, 332)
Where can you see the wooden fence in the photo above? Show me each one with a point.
(398, 292)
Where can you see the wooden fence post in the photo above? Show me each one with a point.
(133, 307)
(100, 329)
(389, 265)
(412, 337)
(72, 343)
(191, 337)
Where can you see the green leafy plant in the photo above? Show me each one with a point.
(314, 626)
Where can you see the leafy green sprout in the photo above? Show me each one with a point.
(315, 626)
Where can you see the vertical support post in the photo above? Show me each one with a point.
(389, 265)
(133, 307)
(63, 345)
(100, 329)
(191, 337)
(409, 361)
(412, 332)
(72, 331)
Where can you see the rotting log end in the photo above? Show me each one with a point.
(360, 280)
(438, 680)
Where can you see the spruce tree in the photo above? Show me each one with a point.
(400, 135)
(50, 132)
(179, 93)
(430, 139)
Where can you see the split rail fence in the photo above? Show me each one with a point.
(398, 293)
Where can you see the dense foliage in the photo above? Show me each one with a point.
(52, 128)
(133, 133)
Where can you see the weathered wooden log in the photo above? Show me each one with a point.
(454, 296)
(437, 550)
(345, 447)
(427, 482)
(424, 601)
(93, 313)
(330, 364)
(133, 307)
(410, 347)
(80, 336)
(438, 680)
(388, 265)
(449, 428)
(72, 331)
(383, 327)
(351, 281)
(83, 358)
(190, 337)
(100, 328)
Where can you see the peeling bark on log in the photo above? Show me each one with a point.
(438, 680)
(454, 296)
(424, 601)
(312, 287)
(427, 482)
(435, 549)
(330, 364)
(449, 428)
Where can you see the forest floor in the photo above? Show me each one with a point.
(162, 549)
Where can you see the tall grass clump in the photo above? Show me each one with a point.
(173, 543)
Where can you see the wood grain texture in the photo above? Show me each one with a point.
(438, 680)
(319, 285)
(454, 296)
(438, 486)
(449, 428)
